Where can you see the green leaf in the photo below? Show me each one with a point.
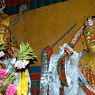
(2, 46)
(26, 52)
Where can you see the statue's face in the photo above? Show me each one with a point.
(89, 34)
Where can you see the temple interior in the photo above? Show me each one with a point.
(41, 25)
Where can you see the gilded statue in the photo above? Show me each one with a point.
(87, 61)
(79, 67)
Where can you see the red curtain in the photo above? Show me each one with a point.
(10, 3)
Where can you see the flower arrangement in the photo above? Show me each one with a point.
(15, 59)
(18, 58)
(6, 83)
(24, 54)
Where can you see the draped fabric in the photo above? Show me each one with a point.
(12, 6)
(35, 75)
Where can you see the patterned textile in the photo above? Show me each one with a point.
(35, 75)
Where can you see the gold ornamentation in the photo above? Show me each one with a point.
(89, 34)
(87, 66)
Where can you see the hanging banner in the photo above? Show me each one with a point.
(12, 6)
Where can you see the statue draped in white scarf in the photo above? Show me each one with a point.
(75, 64)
